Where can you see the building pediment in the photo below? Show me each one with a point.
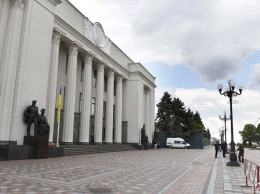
(95, 33)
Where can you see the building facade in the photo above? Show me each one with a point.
(48, 44)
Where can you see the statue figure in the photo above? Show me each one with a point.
(144, 137)
(42, 127)
(30, 116)
(92, 141)
(143, 131)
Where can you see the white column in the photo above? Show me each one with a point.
(118, 119)
(52, 83)
(99, 104)
(148, 115)
(109, 108)
(68, 121)
(152, 111)
(86, 100)
(9, 66)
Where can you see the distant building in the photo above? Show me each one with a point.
(105, 93)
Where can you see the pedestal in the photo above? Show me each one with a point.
(233, 163)
(16, 152)
(40, 144)
(144, 147)
(233, 160)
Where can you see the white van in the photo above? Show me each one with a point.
(177, 143)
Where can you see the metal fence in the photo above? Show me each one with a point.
(197, 141)
(251, 171)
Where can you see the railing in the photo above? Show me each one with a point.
(252, 174)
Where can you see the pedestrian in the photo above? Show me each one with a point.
(240, 150)
(224, 148)
(155, 145)
(217, 148)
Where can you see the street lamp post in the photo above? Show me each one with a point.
(221, 134)
(230, 93)
(225, 119)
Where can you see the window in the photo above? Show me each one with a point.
(82, 71)
(114, 88)
(80, 102)
(93, 106)
(67, 61)
(114, 112)
(95, 78)
(105, 84)
(177, 142)
(104, 110)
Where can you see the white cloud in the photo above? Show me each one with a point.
(210, 104)
(255, 75)
(212, 37)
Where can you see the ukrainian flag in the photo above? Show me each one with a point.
(59, 105)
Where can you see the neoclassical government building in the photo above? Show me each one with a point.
(45, 44)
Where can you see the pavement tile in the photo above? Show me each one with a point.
(161, 171)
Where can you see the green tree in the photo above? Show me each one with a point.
(188, 124)
(247, 133)
(164, 116)
(198, 126)
(172, 117)
(207, 134)
(256, 135)
(178, 124)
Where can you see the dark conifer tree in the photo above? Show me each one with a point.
(179, 112)
(172, 117)
(165, 113)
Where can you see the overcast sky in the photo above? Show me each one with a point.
(191, 46)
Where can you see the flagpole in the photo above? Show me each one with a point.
(57, 144)
(58, 114)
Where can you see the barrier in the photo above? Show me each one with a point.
(251, 171)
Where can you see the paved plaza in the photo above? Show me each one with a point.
(161, 171)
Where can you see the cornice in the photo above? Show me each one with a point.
(18, 3)
(122, 52)
(94, 48)
(59, 31)
(143, 68)
(141, 75)
(55, 2)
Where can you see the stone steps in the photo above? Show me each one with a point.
(93, 149)
(2, 158)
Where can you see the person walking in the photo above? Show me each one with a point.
(224, 148)
(240, 150)
(217, 148)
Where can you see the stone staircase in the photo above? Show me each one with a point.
(2, 158)
(98, 148)
(2, 152)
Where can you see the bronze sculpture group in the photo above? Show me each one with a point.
(31, 116)
(144, 137)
